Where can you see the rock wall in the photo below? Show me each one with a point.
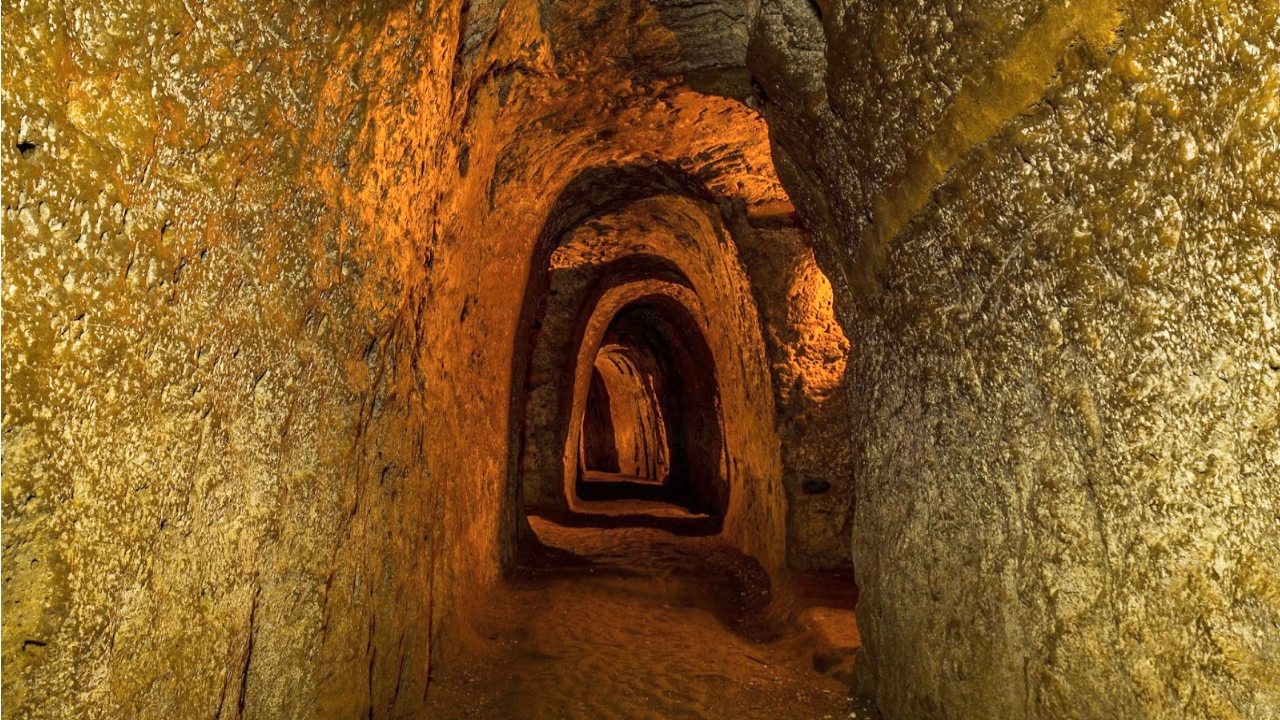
(1054, 232)
(638, 432)
(268, 271)
(808, 354)
(599, 443)
(213, 425)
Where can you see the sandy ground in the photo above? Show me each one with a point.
(643, 622)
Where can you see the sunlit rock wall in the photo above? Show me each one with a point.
(1054, 231)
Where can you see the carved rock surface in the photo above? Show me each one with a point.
(265, 273)
(1054, 231)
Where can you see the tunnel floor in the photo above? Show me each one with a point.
(608, 618)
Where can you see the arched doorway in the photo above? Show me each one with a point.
(665, 401)
(647, 233)
(624, 433)
(599, 450)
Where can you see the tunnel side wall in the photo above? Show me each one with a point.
(599, 441)
(216, 498)
(808, 353)
(1054, 233)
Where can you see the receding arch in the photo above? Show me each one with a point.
(652, 229)
(549, 388)
(592, 192)
(599, 446)
(625, 399)
(668, 321)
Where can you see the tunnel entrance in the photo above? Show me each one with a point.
(653, 392)
(640, 373)
(599, 441)
(623, 430)
(646, 466)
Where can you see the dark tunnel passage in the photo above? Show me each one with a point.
(651, 465)
(667, 400)
(636, 425)
(599, 443)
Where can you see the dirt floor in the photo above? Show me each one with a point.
(635, 610)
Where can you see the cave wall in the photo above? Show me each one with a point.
(1053, 231)
(213, 429)
(808, 354)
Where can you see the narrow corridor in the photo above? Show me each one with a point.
(640, 360)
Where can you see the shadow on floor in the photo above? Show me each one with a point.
(685, 525)
(609, 614)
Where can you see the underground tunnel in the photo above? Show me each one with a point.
(640, 359)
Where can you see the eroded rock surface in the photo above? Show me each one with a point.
(265, 268)
(213, 432)
(1054, 232)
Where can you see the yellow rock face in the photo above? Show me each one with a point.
(1058, 224)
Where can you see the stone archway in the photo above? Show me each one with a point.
(663, 232)
(661, 325)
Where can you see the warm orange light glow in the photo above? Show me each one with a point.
(639, 430)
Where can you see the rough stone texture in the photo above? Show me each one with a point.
(213, 441)
(807, 356)
(265, 269)
(1054, 233)
(270, 274)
